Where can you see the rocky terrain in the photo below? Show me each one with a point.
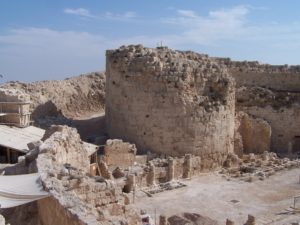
(77, 102)
(72, 98)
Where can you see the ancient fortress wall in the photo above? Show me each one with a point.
(272, 93)
(170, 102)
(285, 124)
(281, 77)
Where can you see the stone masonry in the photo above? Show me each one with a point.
(14, 107)
(119, 154)
(170, 102)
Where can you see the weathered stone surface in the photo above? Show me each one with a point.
(252, 73)
(70, 97)
(255, 134)
(76, 198)
(176, 102)
(119, 154)
(284, 123)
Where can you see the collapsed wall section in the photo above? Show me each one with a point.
(272, 93)
(280, 109)
(77, 197)
(169, 102)
(285, 125)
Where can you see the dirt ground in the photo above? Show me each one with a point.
(213, 196)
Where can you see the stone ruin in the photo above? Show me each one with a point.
(270, 93)
(182, 109)
(76, 197)
(177, 103)
(14, 108)
(170, 102)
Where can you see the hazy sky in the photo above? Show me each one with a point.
(55, 39)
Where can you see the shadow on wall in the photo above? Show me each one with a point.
(45, 110)
(91, 130)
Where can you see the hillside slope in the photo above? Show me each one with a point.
(73, 97)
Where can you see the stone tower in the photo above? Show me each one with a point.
(170, 102)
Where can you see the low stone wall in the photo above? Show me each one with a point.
(163, 170)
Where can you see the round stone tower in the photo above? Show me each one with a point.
(170, 102)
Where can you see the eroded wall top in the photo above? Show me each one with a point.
(252, 73)
(169, 102)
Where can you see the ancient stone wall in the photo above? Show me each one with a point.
(271, 93)
(77, 198)
(170, 102)
(52, 212)
(119, 154)
(255, 134)
(176, 168)
(285, 123)
(281, 77)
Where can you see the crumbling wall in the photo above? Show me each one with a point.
(255, 134)
(271, 93)
(285, 124)
(278, 77)
(161, 170)
(119, 154)
(65, 147)
(71, 97)
(77, 198)
(170, 102)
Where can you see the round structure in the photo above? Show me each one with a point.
(170, 102)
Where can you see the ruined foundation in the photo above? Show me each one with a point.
(170, 102)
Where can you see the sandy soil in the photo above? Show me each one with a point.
(213, 196)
